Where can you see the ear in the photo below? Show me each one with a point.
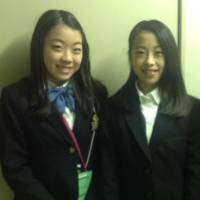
(130, 56)
(130, 60)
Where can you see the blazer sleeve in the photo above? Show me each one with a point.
(192, 176)
(107, 149)
(14, 152)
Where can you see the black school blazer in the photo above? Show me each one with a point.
(166, 169)
(37, 155)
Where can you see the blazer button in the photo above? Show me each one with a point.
(71, 149)
(149, 195)
(148, 171)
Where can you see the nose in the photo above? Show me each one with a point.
(150, 60)
(66, 56)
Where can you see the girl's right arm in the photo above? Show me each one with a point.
(14, 151)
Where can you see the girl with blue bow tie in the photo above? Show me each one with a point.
(49, 119)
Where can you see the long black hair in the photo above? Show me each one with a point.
(174, 98)
(82, 80)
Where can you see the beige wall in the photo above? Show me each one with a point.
(107, 24)
(191, 45)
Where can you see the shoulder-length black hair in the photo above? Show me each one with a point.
(82, 80)
(174, 98)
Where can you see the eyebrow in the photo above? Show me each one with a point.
(143, 47)
(138, 47)
(78, 43)
(59, 40)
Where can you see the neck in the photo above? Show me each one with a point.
(145, 89)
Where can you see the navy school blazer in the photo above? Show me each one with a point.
(37, 155)
(166, 169)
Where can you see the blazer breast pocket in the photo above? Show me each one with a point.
(173, 149)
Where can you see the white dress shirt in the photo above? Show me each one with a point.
(149, 104)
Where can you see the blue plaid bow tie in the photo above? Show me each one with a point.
(62, 97)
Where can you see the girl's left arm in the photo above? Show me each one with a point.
(192, 176)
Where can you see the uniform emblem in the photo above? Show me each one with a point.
(95, 122)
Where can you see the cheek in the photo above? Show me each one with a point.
(78, 61)
(47, 57)
(135, 65)
(50, 56)
(162, 66)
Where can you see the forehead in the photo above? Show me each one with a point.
(146, 39)
(64, 33)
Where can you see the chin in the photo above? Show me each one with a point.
(64, 78)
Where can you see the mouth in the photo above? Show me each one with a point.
(150, 72)
(64, 69)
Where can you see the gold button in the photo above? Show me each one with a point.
(71, 150)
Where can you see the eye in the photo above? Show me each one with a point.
(57, 47)
(140, 52)
(77, 50)
(159, 53)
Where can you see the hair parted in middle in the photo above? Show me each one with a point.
(171, 85)
(82, 80)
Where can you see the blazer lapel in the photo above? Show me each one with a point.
(134, 117)
(159, 125)
(55, 121)
(163, 127)
(136, 124)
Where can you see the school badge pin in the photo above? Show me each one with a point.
(95, 122)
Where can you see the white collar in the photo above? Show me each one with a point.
(154, 95)
(53, 85)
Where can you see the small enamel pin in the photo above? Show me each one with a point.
(95, 122)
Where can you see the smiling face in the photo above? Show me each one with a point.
(62, 53)
(147, 61)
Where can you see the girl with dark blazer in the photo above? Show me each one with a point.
(151, 142)
(49, 119)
